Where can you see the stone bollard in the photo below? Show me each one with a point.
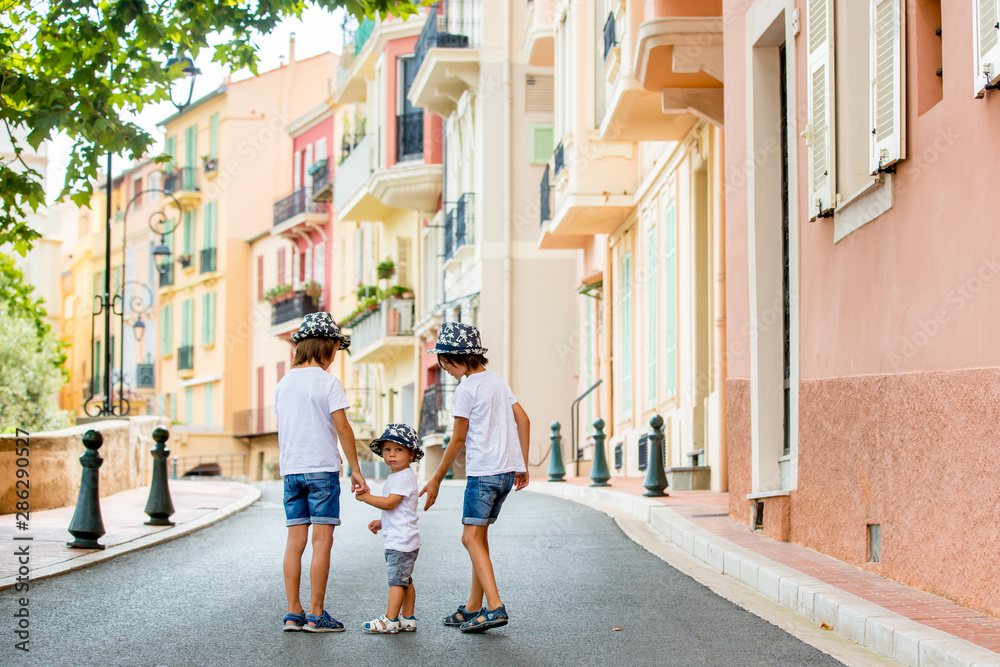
(599, 473)
(557, 472)
(656, 479)
(87, 526)
(159, 507)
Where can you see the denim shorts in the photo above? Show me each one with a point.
(312, 497)
(483, 498)
(399, 566)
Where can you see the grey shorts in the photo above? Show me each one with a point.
(399, 566)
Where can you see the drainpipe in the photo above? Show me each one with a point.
(507, 231)
(719, 259)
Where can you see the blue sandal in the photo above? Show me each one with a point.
(324, 623)
(298, 619)
(459, 617)
(492, 618)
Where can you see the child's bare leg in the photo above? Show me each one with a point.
(292, 566)
(409, 600)
(475, 541)
(397, 594)
(319, 570)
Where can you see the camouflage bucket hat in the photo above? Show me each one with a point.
(458, 338)
(401, 434)
(320, 325)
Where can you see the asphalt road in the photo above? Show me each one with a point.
(567, 575)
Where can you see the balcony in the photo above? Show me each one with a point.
(673, 77)
(357, 67)
(145, 376)
(540, 34)
(384, 333)
(322, 181)
(352, 197)
(435, 417)
(459, 226)
(297, 209)
(287, 315)
(446, 55)
(207, 260)
(167, 277)
(410, 136)
(185, 358)
(184, 185)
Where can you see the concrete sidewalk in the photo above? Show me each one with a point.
(197, 504)
(908, 625)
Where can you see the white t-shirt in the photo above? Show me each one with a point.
(307, 438)
(399, 525)
(491, 444)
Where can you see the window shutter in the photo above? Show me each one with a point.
(281, 267)
(208, 318)
(541, 139)
(213, 149)
(403, 261)
(189, 232)
(820, 132)
(187, 322)
(166, 330)
(209, 403)
(208, 229)
(539, 93)
(297, 170)
(204, 318)
(170, 150)
(987, 15)
(260, 277)
(887, 94)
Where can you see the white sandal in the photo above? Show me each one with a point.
(382, 626)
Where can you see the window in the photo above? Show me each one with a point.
(297, 170)
(652, 316)
(167, 330)
(321, 149)
(155, 185)
(670, 298)
(137, 191)
(208, 318)
(626, 335)
(540, 142)
(987, 13)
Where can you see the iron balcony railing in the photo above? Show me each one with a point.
(297, 306)
(322, 181)
(609, 35)
(145, 376)
(543, 197)
(182, 178)
(450, 24)
(393, 317)
(185, 358)
(410, 136)
(458, 225)
(434, 417)
(207, 262)
(558, 159)
(167, 277)
(297, 203)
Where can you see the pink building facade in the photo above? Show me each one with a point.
(862, 290)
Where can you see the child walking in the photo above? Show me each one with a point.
(399, 447)
(494, 428)
(311, 407)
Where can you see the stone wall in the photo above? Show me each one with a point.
(54, 461)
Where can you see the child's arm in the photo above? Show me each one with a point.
(346, 435)
(375, 526)
(523, 428)
(380, 502)
(458, 433)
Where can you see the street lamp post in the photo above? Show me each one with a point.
(107, 302)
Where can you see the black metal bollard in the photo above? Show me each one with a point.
(557, 473)
(87, 526)
(656, 479)
(599, 473)
(159, 507)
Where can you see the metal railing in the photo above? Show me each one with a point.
(393, 317)
(185, 358)
(434, 417)
(459, 224)
(609, 35)
(410, 136)
(543, 197)
(145, 376)
(322, 181)
(207, 260)
(210, 465)
(558, 159)
(454, 26)
(167, 277)
(297, 203)
(295, 307)
(182, 178)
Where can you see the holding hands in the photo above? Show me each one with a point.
(358, 483)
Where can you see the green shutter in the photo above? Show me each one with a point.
(173, 406)
(208, 318)
(213, 149)
(191, 146)
(189, 233)
(670, 268)
(541, 138)
(652, 319)
(187, 322)
(166, 330)
(209, 403)
(626, 330)
(170, 150)
(189, 405)
(208, 226)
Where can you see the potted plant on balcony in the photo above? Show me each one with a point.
(313, 290)
(366, 291)
(386, 269)
(279, 293)
(400, 292)
(184, 260)
(209, 164)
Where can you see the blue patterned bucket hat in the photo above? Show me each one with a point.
(401, 434)
(458, 338)
(320, 325)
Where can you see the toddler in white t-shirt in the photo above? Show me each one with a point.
(398, 446)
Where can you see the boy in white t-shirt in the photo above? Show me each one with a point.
(310, 404)
(399, 447)
(493, 428)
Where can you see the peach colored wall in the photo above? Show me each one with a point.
(655, 9)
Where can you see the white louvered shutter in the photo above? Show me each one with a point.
(987, 17)
(888, 83)
(820, 133)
